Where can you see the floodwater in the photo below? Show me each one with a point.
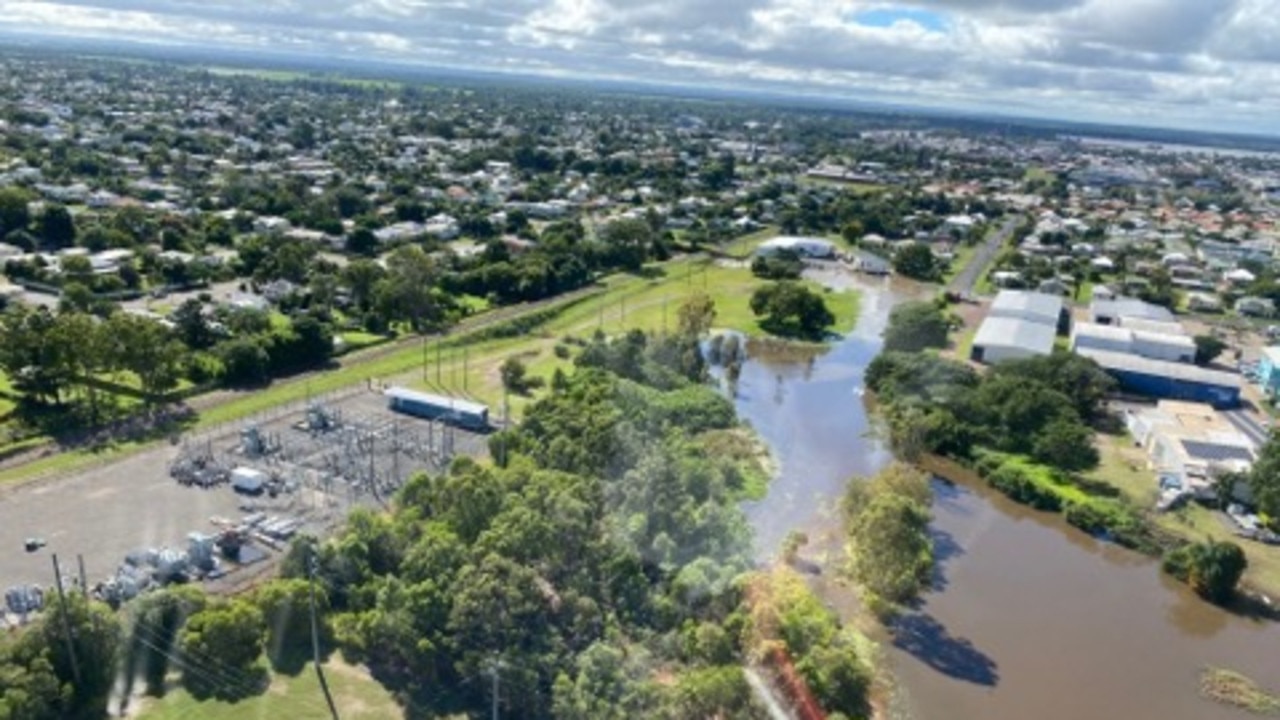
(1029, 618)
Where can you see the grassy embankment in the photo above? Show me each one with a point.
(357, 696)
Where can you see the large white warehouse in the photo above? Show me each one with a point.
(1002, 338)
(1123, 339)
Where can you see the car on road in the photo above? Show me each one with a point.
(33, 544)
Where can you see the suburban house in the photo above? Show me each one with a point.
(1256, 306)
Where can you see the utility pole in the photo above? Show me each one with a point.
(466, 360)
(66, 621)
(424, 358)
(315, 639)
(438, 343)
(495, 672)
(84, 583)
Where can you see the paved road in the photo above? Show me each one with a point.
(1249, 425)
(964, 282)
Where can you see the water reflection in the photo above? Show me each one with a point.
(925, 639)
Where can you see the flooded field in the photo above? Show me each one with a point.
(1029, 617)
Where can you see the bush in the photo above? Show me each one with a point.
(1212, 569)
(1018, 485)
(562, 351)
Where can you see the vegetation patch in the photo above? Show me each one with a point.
(1232, 688)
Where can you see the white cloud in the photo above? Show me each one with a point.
(1214, 63)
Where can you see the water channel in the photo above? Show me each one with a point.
(1029, 617)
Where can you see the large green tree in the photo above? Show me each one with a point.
(915, 326)
(917, 262)
(890, 550)
(792, 310)
(1264, 479)
(220, 646)
(14, 215)
(1211, 568)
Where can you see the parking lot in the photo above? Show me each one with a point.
(132, 504)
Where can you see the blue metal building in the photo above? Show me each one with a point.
(453, 411)
(1169, 380)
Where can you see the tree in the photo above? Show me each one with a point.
(513, 375)
(410, 291)
(57, 227)
(915, 326)
(361, 277)
(286, 608)
(191, 326)
(1211, 568)
(1067, 445)
(696, 315)
(362, 241)
(14, 215)
(791, 309)
(1208, 348)
(147, 349)
(1264, 479)
(917, 262)
(890, 550)
(627, 242)
(228, 637)
(95, 646)
(245, 361)
(157, 618)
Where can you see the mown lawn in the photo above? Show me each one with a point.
(356, 695)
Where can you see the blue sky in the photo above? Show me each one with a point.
(884, 17)
(1209, 64)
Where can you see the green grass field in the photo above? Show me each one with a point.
(742, 247)
(964, 255)
(356, 695)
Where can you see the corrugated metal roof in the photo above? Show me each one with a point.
(1160, 368)
(440, 401)
(1026, 301)
(1015, 332)
(1181, 341)
(1153, 326)
(1102, 332)
(1130, 308)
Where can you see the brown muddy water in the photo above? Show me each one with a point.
(1029, 618)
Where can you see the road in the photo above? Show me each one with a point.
(964, 282)
(1249, 425)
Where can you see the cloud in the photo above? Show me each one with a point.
(1210, 63)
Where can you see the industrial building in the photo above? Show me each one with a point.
(1170, 380)
(1114, 312)
(1124, 339)
(801, 246)
(1002, 338)
(1035, 307)
(462, 413)
(1192, 444)
(1020, 324)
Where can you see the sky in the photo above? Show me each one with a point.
(1202, 64)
